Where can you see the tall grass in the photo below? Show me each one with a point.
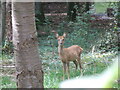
(7, 82)
(93, 64)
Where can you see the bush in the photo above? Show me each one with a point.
(84, 35)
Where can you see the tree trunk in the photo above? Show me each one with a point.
(3, 6)
(0, 24)
(28, 65)
(72, 11)
(118, 14)
(87, 8)
(8, 22)
(7, 31)
(39, 12)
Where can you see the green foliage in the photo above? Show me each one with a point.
(39, 13)
(5, 80)
(103, 80)
(44, 29)
(93, 64)
(112, 5)
(110, 41)
(81, 34)
(118, 14)
(8, 82)
(7, 49)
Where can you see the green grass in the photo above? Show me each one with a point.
(93, 64)
(8, 82)
(52, 67)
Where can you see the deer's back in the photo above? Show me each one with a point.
(71, 53)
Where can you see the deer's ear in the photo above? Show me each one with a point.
(64, 35)
(56, 35)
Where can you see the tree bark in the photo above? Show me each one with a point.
(28, 66)
(3, 17)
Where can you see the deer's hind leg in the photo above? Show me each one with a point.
(79, 62)
(76, 63)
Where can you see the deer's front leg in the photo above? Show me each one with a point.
(68, 73)
(64, 70)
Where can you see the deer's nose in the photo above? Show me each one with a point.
(61, 43)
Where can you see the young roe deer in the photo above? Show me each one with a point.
(66, 55)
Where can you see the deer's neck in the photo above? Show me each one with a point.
(60, 49)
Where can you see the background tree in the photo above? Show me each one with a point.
(3, 8)
(28, 65)
(39, 12)
(8, 22)
(72, 11)
(118, 14)
(7, 31)
(88, 6)
(0, 23)
(75, 8)
(118, 23)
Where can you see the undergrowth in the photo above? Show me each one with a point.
(93, 64)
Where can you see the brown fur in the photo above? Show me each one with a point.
(71, 53)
